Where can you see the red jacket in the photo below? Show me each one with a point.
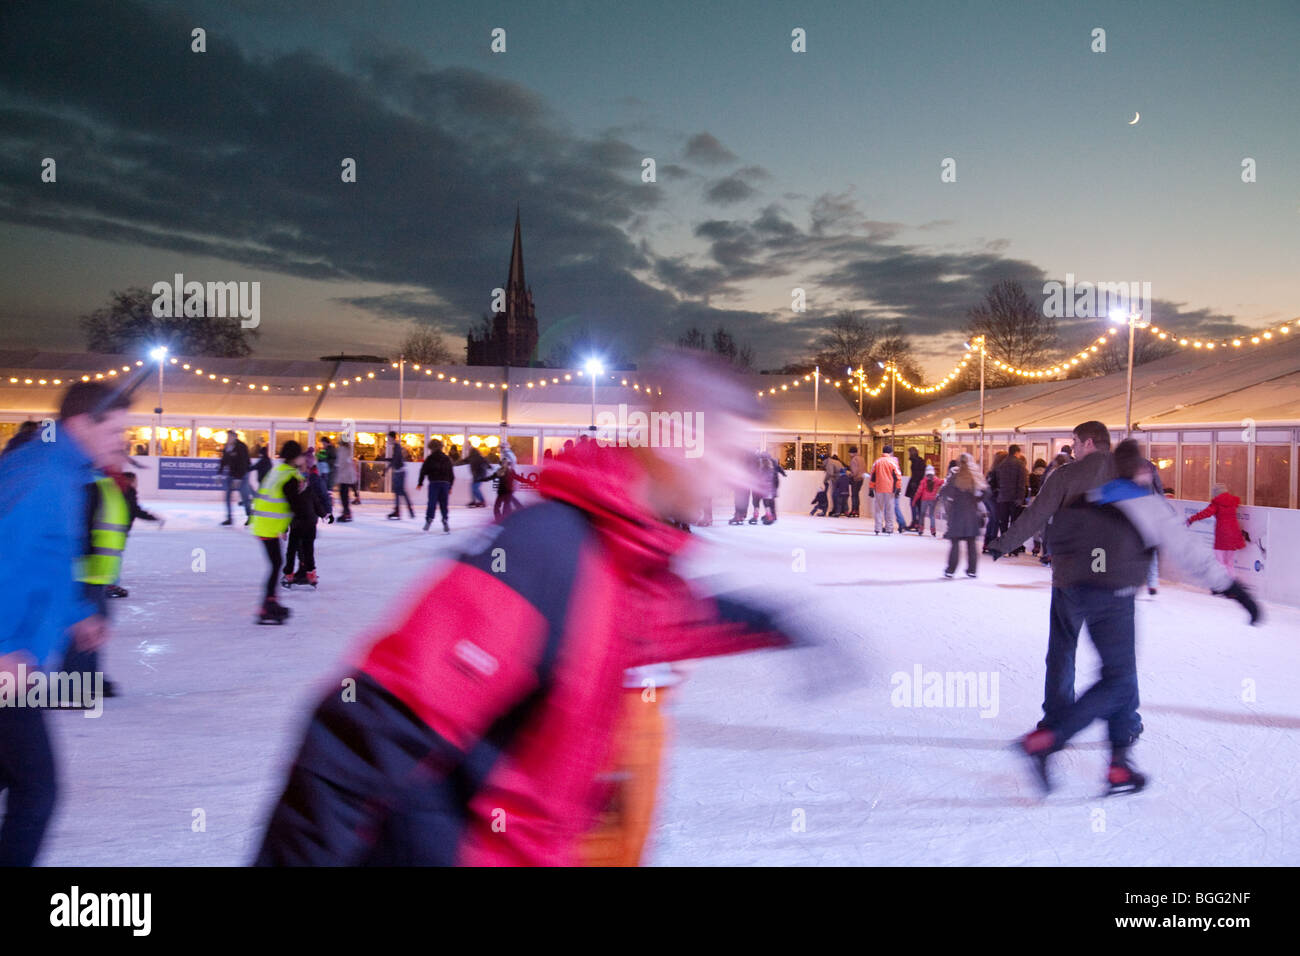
(485, 714)
(926, 493)
(1227, 531)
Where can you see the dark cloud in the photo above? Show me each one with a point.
(705, 148)
(729, 190)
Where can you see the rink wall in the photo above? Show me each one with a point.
(1270, 562)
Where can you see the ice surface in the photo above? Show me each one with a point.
(214, 706)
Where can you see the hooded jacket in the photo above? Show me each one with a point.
(1161, 528)
(484, 714)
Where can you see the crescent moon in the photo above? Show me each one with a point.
(1136, 116)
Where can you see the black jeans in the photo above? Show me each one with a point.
(857, 494)
(344, 491)
(302, 546)
(1109, 616)
(439, 491)
(972, 555)
(274, 555)
(27, 774)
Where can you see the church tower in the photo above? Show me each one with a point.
(512, 338)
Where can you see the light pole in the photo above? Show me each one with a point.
(594, 368)
(893, 390)
(980, 342)
(817, 382)
(1135, 321)
(861, 389)
(401, 391)
(159, 354)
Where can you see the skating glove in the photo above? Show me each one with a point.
(1241, 594)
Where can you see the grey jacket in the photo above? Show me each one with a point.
(1161, 527)
(1091, 546)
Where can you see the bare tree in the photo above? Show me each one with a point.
(128, 325)
(720, 343)
(1016, 331)
(1113, 356)
(849, 342)
(425, 347)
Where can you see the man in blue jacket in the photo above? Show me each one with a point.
(43, 525)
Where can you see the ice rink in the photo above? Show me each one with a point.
(772, 762)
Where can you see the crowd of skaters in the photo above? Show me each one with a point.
(69, 496)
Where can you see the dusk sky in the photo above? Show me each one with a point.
(775, 169)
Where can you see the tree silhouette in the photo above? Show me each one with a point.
(127, 325)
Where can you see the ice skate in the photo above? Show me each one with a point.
(1037, 747)
(754, 518)
(114, 591)
(286, 582)
(394, 516)
(272, 612)
(446, 528)
(427, 522)
(1121, 777)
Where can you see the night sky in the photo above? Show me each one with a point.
(775, 169)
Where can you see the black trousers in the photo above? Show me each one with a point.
(274, 555)
(972, 555)
(28, 777)
(302, 546)
(344, 491)
(857, 494)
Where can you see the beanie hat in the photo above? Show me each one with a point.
(929, 469)
(290, 449)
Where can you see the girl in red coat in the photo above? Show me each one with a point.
(1227, 531)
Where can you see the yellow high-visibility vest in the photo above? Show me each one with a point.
(103, 565)
(271, 511)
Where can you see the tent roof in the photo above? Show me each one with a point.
(1193, 387)
(288, 390)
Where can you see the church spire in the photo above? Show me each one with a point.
(516, 278)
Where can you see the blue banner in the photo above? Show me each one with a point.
(190, 474)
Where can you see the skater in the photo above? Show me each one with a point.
(264, 464)
(478, 473)
(309, 506)
(770, 475)
(437, 468)
(1139, 495)
(397, 468)
(858, 470)
(126, 484)
(345, 470)
(235, 466)
(1228, 539)
(496, 695)
(926, 500)
(843, 485)
(326, 459)
(42, 527)
(106, 522)
(1135, 519)
(1083, 590)
(964, 498)
(274, 506)
(819, 504)
(916, 470)
(506, 501)
(1011, 483)
(886, 484)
